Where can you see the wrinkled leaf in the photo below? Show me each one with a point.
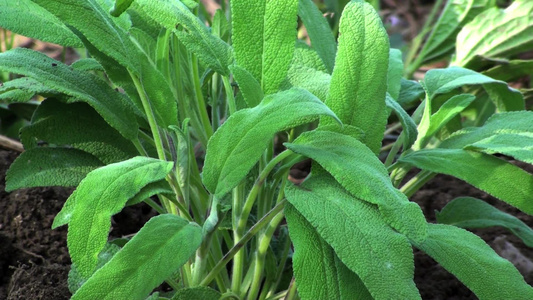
(516, 145)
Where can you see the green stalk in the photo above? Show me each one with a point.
(291, 292)
(202, 109)
(251, 233)
(229, 95)
(238, 261)
(417, 182)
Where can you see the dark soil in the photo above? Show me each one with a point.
(34, 261)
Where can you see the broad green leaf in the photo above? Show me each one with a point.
(27, 18)
(160, 248)
(318, 271)
(360, 172)
(316, 82)
(320, 34)
(472, 261)
(304, 55)
(357, 91)
(495, 33)
(520, 122)
(248, 85)
(238, 144)
(454, 16)
(120, 7)
(45, 166)
(98, 27)
(81, 86)
(16, 95)
(264, 37)
(87, 64)
(197, 293)
(395, 72)
(79, 126)
(409, 127)
(511, 70)
(103, 193)
(381, 257)
(29, 85)
(432, 123)
(517, 145)
(211, 50)
(443, 81)
(152, 189)
(467, 212)
(410, 92)
(497, 177)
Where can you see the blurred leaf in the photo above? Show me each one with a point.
(511, 70)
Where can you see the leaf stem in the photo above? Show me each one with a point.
(229, 95)
(202, 109)
(417, 182)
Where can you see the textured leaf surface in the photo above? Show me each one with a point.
(160, 248)
(410, 92)
(197, 293)
(26, 18)
(238, 144)
(473, 262)
(79, 126)
(360, 172)
(316, 82)
(318, 272)
(467, 212)
(120, 7)
(442, 81)
(103, 193)
(320, 34)
(248, 85)
(264, 37)
(357, 91)
(490, 174)
(395, 73)
(409, 127)
(50, 167)
(382, 258)
(27, 84)
(517, 145)
(496, 33)
(81, 86)
(213, 52)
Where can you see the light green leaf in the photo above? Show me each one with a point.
(320, 33)
(306, 56)
(357, 92)
(318, 271)
(81, 86)
(248, 85)
(211, 50)
(316, 82)
(197, 293)
(496, 33)
(27, 18)
(508, 122)
(490, 174)
(50, 167)
(79, 126)
(395, 73)
(381, 257)
(160, 248)
(103, 193)
(474, 263)
(511, 70)
(120, 7)
(409, 127)
(238, 144)
(467, 212)
(517, 145)
(360, 172)
(443, 81)
(264, 37)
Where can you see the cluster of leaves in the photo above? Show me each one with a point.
(125, 124)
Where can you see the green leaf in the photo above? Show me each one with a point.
(467, 212)
(409, 127)
(443, 81)
(248, 85)
(103, 193)
(79, 126)
(87, 64)
(316, 82)
(490, 174)
(238, 144)
(50, 167)
(410, 92)
(264, 37)
(360, 172)
(318, 271)
(27, 18)
(197, 293)
(81, 86)
(381, 257)
(474, 263)
(320, 34)
(511, 70)
(358, 84)
(211, 50)
(395, 73)
(160, 248)
(27, 84)
(496, 33)
(120, 7)
(516, 145)
(152, 189)
(454, 16)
